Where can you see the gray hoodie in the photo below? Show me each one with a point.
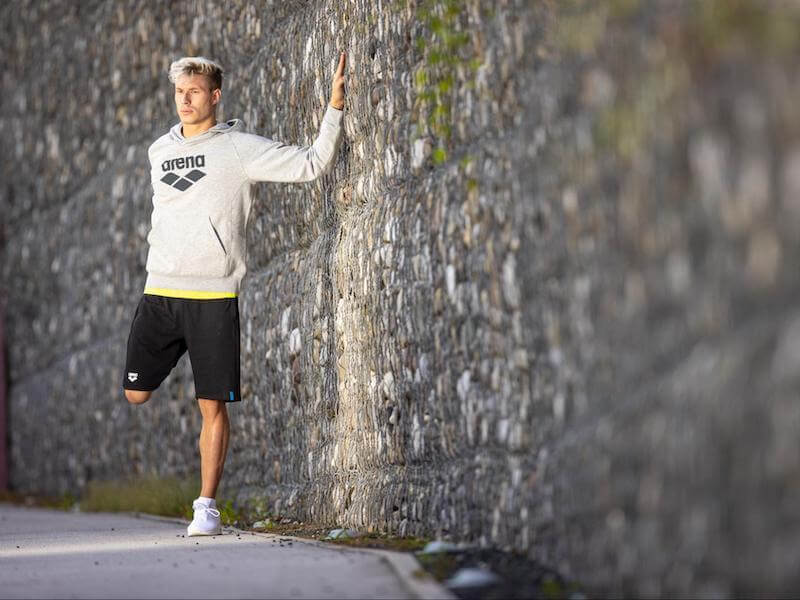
(202, 198)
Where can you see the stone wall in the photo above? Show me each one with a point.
(545, 300)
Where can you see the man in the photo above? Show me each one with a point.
(201, 173)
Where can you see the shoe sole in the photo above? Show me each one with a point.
(194, 532)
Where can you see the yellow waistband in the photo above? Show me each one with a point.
(188, 293)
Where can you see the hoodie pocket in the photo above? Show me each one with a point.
(219, 239)
(188, 245)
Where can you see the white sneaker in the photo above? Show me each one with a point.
(206, 520)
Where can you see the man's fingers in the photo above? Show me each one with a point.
(340, 69)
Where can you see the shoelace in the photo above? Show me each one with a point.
(213, 511)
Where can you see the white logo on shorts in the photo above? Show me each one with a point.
(133, 376)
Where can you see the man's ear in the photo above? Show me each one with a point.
(215, 96)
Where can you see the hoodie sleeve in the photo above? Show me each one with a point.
(264, 159)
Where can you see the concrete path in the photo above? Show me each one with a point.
(55, 554)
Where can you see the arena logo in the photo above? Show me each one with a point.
(184, 182)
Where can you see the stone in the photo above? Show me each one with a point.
(340, 533)
(438, 546)
(471, 577)
(263, 524)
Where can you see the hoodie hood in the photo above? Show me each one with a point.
(176, 136)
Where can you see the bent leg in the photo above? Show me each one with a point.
(155, 344)
(137, 396)
(213, 444)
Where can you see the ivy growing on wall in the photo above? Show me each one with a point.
(443, 49)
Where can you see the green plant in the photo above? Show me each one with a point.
(228, 514)
(62, 502)
(381, 540)
(440, 565)
(166, 496)
(435, 78)
(552, 589)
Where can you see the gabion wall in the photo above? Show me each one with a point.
(546, 300)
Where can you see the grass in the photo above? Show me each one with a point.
(65, 502)
(166, 496)
(172, 497)
(440, 565)
(386, 541)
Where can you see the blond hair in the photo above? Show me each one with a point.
(191, 65)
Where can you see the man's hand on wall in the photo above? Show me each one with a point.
(337, 94)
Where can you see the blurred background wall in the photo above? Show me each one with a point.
(546, 300)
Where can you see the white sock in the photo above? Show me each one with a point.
(209, 502)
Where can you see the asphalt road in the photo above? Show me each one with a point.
(55, 554)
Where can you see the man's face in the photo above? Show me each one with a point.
(194, 99)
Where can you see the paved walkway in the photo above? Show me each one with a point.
(55, 554)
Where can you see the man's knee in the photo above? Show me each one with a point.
(137, 396)
(211, 409)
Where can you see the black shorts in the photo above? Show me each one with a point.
(164, 328)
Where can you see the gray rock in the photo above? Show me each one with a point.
(263, 524)
(438, 546)
(336, 534)
(471, 577)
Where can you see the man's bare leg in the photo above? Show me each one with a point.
(137, 397)
(213, 444)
